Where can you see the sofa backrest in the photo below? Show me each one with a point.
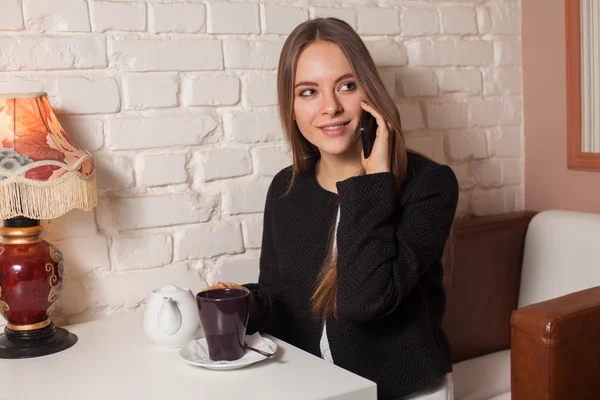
(562, 255)
(482, 284)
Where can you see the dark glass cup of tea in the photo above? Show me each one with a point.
(224, 317)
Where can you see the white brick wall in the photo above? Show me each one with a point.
(260, 89)
(252, 126)
(182, 18)
(411, 116)
(145, 133)
(142, 91)
(101, 94)
(459, 21)
(161, 169)
(140, 252)
(114, 172)
(222, 163)
(186, 54)
(177, 101)
(210, 89)
(118, 16)
(225, 17)
(378, 21)
(11, 17)
(282, 19)
(387, 53)
(270, 160)
(467, 81)
(86, 131)
(56, 15)
(347, 15)
(252, 228)
(420, 22)
(208, 240)
(46, 52)
(414, 82)
(252, 54)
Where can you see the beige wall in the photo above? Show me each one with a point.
(548, 182)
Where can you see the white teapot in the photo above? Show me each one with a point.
(171, 317)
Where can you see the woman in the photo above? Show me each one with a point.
(351, 261)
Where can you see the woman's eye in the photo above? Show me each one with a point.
(348, 86)
(307, 92)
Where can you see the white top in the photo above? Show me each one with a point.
(114, 358)
(324, 344)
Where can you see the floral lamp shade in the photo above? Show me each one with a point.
(43, 174)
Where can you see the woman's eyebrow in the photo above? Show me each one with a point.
(308, 83)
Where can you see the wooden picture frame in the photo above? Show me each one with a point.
(576, 158)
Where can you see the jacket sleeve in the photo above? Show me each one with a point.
(384, 247)
(267, 309)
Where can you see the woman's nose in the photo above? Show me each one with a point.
(331, 105)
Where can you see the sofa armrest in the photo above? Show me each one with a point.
(555, 348)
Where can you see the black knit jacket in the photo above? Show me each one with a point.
(390, 296)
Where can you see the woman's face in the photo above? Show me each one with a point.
(327, 99)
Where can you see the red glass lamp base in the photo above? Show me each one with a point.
(32, 275)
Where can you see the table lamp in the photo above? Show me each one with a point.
(43, 175)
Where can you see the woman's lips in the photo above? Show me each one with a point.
(335, 130)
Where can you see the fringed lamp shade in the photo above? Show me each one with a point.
(43, 174)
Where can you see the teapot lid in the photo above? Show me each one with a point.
(170, 289)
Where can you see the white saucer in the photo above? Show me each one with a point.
(196, 353)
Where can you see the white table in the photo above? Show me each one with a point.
(113, 359)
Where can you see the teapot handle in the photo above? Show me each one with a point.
(169, 317)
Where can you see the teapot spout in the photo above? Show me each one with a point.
(169, 317)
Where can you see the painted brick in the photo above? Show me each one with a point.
(101, 94)
(142, 91)
(378, 21)
(417, 82)
(162, 210)
(30, 53)
(252, 54)
(145, 133)
(387, 53)
(181, 54)
(108, 16)
(177, 18)
(283, 19)
(141, 252)
(270, 160)
(11, 18)
(161, 169)
(417, 22)
(260, 89)
(208, 240)
(346, 14)
(222, 163)
(459, 21)
(210, 90)
(252, 127)
(224, 17)
(446, 115)
(56, 15)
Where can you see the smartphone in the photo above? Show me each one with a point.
(368, 130)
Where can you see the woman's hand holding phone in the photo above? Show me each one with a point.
(380, 158)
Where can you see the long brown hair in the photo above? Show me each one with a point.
(365, 72)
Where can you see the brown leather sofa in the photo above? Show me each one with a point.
(505, 348)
